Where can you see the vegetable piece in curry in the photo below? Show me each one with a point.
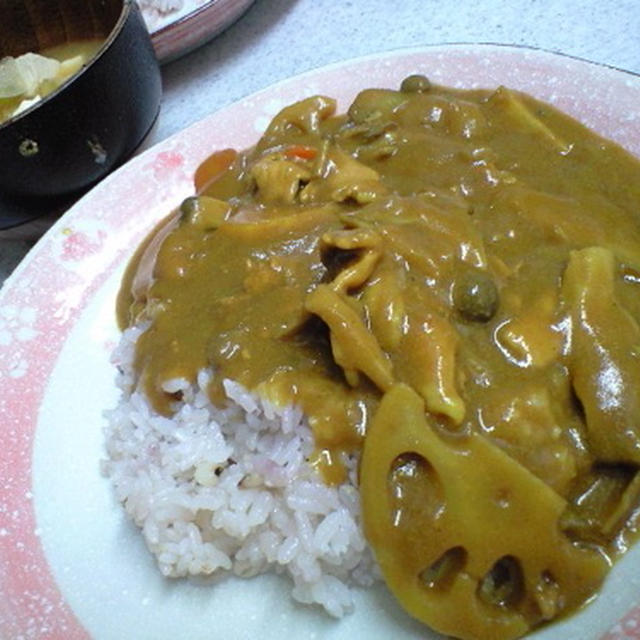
(447, 282)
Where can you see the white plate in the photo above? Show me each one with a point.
(176, 33)
(71, 565)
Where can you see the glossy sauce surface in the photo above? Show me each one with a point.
(451, 279)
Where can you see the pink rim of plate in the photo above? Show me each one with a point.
(196, 28)
(46, 295)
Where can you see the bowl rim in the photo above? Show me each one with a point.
(127, 8)
(165, 37)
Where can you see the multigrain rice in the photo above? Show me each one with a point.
(230, 489)
(160, 13)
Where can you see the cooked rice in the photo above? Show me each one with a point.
(230, 490)
(162, 6)
(160, 13)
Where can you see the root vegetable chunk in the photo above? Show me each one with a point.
(467, 539)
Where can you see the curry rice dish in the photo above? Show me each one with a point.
(409, 332)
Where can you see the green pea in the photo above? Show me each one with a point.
(475, 296)
(415, 83)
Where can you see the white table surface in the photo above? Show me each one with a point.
(279, 38)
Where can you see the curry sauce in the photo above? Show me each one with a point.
(446, 282)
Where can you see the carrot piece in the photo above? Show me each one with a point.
(300, 151)
(213, 167)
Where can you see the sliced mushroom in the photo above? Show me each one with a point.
(604, 357)
(428, 363)
(357, 272)
(354, 347)
(278, 179)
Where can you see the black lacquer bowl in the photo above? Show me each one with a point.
(92, 123)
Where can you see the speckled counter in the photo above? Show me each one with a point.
(279, 38)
